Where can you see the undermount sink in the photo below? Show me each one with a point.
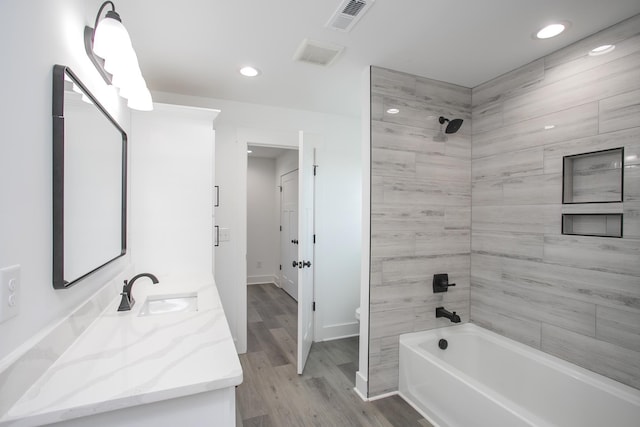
(165, 304)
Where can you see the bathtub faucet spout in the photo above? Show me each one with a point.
(442, 312)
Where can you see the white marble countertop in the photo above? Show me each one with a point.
(124, 360)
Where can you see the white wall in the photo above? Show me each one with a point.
(172, 190)
(263, 244)
(338, 215)
(35, 35)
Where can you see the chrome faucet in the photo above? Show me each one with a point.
(441, 312)
(127, 301)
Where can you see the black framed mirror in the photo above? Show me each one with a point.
(89, 182)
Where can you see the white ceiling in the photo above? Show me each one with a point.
(195, 47)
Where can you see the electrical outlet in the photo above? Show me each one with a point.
(9, 292)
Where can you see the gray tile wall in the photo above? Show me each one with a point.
(420, 213)
(572, 296)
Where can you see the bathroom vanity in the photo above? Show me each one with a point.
(177, 366)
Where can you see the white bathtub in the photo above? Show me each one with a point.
(483, 379)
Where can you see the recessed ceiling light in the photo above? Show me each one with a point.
(549, 127)
(249, 71)
(551, 30)
(601, 50)
(249, 151)
(393, 111)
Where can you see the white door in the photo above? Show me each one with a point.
(289, 233)
(306, 231)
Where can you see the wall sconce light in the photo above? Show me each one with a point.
(108, 45)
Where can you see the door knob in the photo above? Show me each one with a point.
(295, 264)
(306, 263)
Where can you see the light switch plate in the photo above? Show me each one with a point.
(9, 292)
(225, 234)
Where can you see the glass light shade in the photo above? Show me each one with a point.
(125, 61)
(110, 38)
(141, 100)
(129, 85)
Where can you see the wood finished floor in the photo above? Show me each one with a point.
(274, 395)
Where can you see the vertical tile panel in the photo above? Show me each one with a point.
(420, 213)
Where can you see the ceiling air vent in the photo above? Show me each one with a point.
(318, 53)
(349, 12)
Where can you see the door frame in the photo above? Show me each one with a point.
(244, 138)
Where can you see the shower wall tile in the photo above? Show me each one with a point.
(603, 254)
(531, 219)
(522, 330)
(613, 78)
(408, 217)
(509, 164)
(577, 297)
(393, 83)
(420, 213)
(441, 94)
(618, 363)
(487, 192)
(598, 287)
(518, 301)
(457, 218)
(427, 192)
(508, 84)
(618, 327)
(554, 153)
(567, 124)
(632, 220)
(572, 59)
(487, 118)
(632, 183)
(446, 242)
(401, 270)
(510, 245)
(395, 163)
(533, 189)
(620, 112)
(448, 168)
(393, 136)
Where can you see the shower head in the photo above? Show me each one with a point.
(453, 126)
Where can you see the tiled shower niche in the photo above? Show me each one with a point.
(588, 179)
(594, 177)
(602, 225)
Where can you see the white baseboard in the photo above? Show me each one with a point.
(258, 280)
(338, 331)
(361, 386)
(383, 396)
